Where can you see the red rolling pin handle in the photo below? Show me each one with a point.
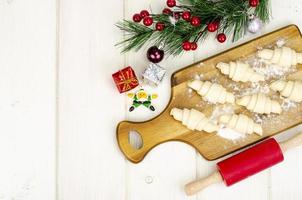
(250, 162)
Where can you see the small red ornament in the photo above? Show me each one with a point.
(125, 79)
(155, 55)
(186, 45)
(160, 26)
(221, 37)
(171, 3)
(137, 18)
(167, 11)
(253, 3)
(212, 27)
(195, 21)
(194, 46)
(144, 13)
(148, 21)
(186, 15)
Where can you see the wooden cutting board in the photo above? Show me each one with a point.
(164, 128)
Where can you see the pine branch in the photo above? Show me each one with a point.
(231, 14)
(136, 34)
(263, 11)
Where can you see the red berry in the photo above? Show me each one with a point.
(148, 21)
(186, 45)
(167, 11)
(253, 3)
(221, 37)
(136, 18)
(195, 21)
(211, 27)
(144, 13)
(171, 3)
(216, 25)
(160, 26)
(194, 46)
(186, 15)
(176, 15)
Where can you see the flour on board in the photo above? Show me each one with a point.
(270, 71)
(230, 134)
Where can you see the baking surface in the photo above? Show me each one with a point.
(210, 145)
(59, 110)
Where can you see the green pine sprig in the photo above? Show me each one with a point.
(233, 17)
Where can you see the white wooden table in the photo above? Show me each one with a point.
(59, 109)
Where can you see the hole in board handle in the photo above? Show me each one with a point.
(135, 139)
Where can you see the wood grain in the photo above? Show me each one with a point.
(28, 99)
(164, 128)
(155, 177)
(89, 163)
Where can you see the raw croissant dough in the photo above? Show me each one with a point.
(289, 89)
(284, 56)
(259, 103)
(239, 71)
(212, 92)
(241, 123)
(193, 119)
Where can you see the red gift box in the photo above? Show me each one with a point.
(125, 79)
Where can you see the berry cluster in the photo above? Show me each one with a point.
(187, 46)
(187, 16)
(211, 27)
(148, 20)
(194, 21)
(145, 16)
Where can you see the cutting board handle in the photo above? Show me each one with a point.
(123, 130)
(152, 133)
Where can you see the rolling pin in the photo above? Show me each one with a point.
(246, 163)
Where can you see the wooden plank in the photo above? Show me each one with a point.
(211, 146)
(285, 180)
(27, 99)
(165, 170)
(90, 164)
(285, 177)
(204, 168)
(154, 178)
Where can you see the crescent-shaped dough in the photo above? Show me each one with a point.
(260, 103)
(193, 119)
(239, 71)
(289, 89)
(241, 123)
(212, 92)
(283, 56)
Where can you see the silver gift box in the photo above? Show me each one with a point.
(153, 74)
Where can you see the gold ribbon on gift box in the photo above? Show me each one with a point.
(127, 80)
